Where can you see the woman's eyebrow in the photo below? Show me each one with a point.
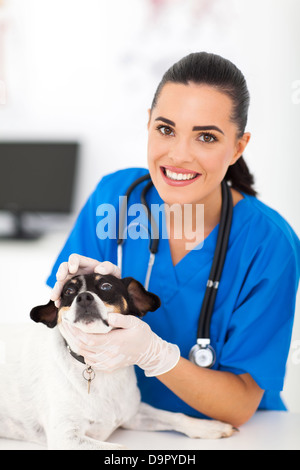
(208, 128)
(195, 128)
(167, 121)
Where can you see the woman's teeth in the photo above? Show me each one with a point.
(179, 176)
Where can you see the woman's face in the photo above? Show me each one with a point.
(192, 141)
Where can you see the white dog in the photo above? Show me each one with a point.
(50, 396)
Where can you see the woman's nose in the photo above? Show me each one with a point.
(180, 152)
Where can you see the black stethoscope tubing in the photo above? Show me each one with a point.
(202, 353)
(154, 241)
(217, 264)
(154, 237)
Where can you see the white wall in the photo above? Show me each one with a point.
(88, 70)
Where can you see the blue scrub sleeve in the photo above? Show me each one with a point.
(260, 328)
(83, 238)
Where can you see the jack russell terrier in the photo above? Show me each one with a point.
(50, 396)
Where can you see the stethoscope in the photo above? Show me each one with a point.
(202, 354)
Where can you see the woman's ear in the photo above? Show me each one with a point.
(241, 146)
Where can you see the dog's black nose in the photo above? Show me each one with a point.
(84, 299)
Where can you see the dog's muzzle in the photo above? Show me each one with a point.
(87, 310)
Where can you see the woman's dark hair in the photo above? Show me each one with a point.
(213, 70)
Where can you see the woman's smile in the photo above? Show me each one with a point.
(178, 176)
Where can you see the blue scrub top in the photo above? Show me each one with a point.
(253, 316)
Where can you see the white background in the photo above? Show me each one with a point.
(88, 70)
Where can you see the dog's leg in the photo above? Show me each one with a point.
(81, 443)
(71, 437)
(153, 419)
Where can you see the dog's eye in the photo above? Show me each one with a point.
(105, 286)
(70, 291)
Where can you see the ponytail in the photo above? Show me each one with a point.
(240, 177)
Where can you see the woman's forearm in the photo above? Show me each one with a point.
(220, 395)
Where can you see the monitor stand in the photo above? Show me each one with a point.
(20, 232)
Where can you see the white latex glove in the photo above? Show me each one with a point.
(133, 343)
(77, 265)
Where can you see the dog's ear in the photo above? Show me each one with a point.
(141, 301)
(46, 314)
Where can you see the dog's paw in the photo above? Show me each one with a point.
(218, 430)
(207, 429)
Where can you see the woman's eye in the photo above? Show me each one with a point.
(165, 130)
(105, 286)
(207, 138)
(70, 291)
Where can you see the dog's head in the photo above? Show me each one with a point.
(87, 300)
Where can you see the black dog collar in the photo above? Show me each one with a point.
(76, 356)
(88, 374)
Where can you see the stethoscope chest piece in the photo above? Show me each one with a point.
(203, 355)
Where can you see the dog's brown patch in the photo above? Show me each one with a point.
(118, 308)
(125, 304)
(61, 313)
(113, 308)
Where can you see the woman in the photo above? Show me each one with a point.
(196, 139)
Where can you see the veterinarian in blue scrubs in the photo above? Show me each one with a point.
(196, 138)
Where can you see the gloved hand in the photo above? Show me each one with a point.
(77, 265)
(133, 343)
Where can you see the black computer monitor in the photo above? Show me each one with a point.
(36, 177)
